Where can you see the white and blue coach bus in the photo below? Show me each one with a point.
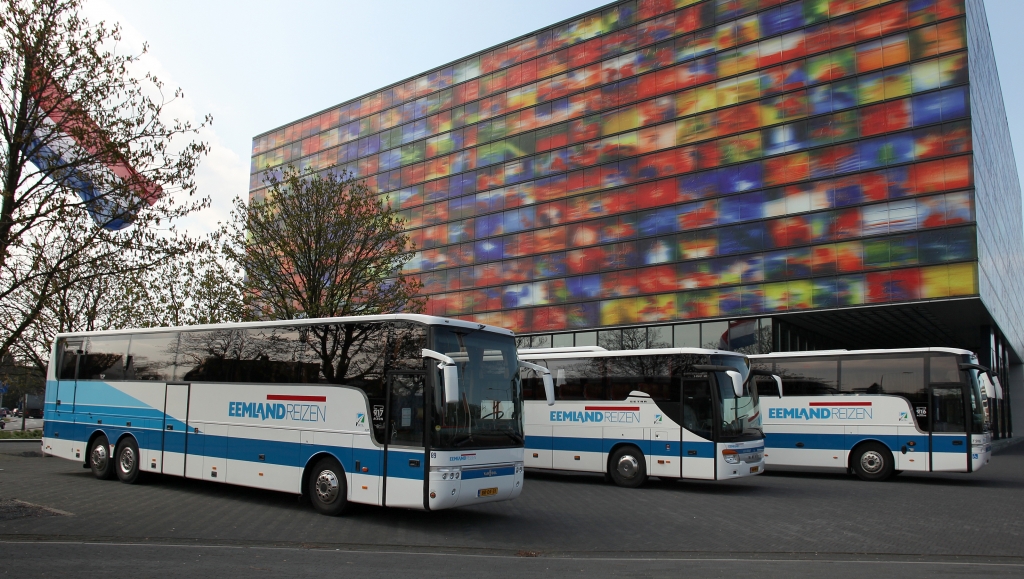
(875, 412)
(671, 413)
(398, 410)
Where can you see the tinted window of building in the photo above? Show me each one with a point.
(668, 164)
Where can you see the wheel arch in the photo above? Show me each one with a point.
(312, 460)
(615, 448)
(860, 444)
(92, 438)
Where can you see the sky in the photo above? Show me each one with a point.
(260, 64)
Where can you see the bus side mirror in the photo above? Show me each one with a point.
(778, 382)
(737, 382)
(451, 383)
(545, 374)
(449, 373)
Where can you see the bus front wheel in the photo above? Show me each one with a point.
(100, 461)
(872, 462)
(628, 467)
(327, 489)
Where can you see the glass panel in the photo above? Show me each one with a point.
(714, 334)
(68, 359)
(947, 410)
(686, 336)
(944, 369)
(104, 359)
(586, 339)
(405, 420)
(207, 356)
(808, 377)
(562, 341)
(152, 357)
(698, 412)
(900, 376)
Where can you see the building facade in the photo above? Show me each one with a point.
(748, 174)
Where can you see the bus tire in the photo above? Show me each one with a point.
(100, 461)
(872, 461)
(628, 467)
(327, 489)
(126, 462)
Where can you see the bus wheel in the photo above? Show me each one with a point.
(327, 490)
(628, 467)
(872, 462)
(100, 461)
(126, 463)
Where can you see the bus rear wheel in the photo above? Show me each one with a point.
(100, 461)
(327, 489)
(628, 467)
(126, 462)
(872, 462)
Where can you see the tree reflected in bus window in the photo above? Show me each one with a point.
(152, 356)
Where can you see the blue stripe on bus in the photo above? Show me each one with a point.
(281, 453)
(605, 445)
(944, 443)
(703, 449)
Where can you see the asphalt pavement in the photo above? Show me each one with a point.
(56, 519)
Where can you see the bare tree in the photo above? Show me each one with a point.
(92, 175)
(321, 246)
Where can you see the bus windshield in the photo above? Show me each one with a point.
(741, 415)
(489, 412)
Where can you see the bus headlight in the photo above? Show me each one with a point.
(447, 472)
(731, 456)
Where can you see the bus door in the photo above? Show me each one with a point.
(404, 454)
(175, 436)
(950, 448)
(697, 418)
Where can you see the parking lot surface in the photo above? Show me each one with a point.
(55, 518)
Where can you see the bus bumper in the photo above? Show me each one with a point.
(458, 486)
(740, 459)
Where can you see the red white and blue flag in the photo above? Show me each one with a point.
(72, 145)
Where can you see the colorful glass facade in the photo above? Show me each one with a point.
(658, 161)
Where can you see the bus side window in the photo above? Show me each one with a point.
(944, 370)
(572, 377)
(207, 356)
(806, 378)
(900, 376)
(104, 358)
(698, 415)
(152, 356)
(533, 384)
(68, 359)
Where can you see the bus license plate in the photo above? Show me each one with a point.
(487, 492)
(753, 469)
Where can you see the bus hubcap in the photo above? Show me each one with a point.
(327, 486)
(628, 466)
(99, 456)
(127, 460)
(871, 461)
